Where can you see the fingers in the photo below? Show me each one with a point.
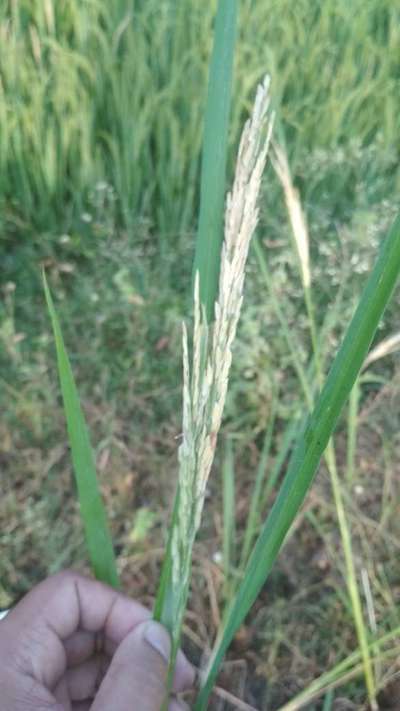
(79, 647)
(84, 680)
(82, 646)
(137, 674)
(68, 602)
(61, 696)
(59, 624)
(184, 677)
(54, 611)
(178, 706)
(87, 706)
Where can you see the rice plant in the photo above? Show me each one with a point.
(207, 359)
(103, 89)
(206, 378)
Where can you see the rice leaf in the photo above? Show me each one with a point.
(163, 609)
(214, 156)
(93, 514)
(310, 446)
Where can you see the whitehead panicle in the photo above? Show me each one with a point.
(297, 218)
(205, 381)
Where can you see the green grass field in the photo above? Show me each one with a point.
(101, 107)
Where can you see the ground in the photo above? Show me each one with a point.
(299, 626)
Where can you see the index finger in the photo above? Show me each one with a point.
(68, 601)
(34, 632)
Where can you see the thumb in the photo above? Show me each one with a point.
(137, 674)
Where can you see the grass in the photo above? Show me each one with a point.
(92, 509)
(301, 244)
(99, 65)
(109, 205)
(214, 155)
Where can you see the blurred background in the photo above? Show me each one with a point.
(101, 107)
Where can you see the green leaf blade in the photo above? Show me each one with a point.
(311, 445)
(214, 155)
(93, 514)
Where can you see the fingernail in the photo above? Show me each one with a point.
(158, 638)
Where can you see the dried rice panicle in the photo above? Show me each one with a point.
(297, 217)
(205, 382)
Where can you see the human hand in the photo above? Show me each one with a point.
(74, 644)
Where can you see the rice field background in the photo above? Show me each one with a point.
(101, 110)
